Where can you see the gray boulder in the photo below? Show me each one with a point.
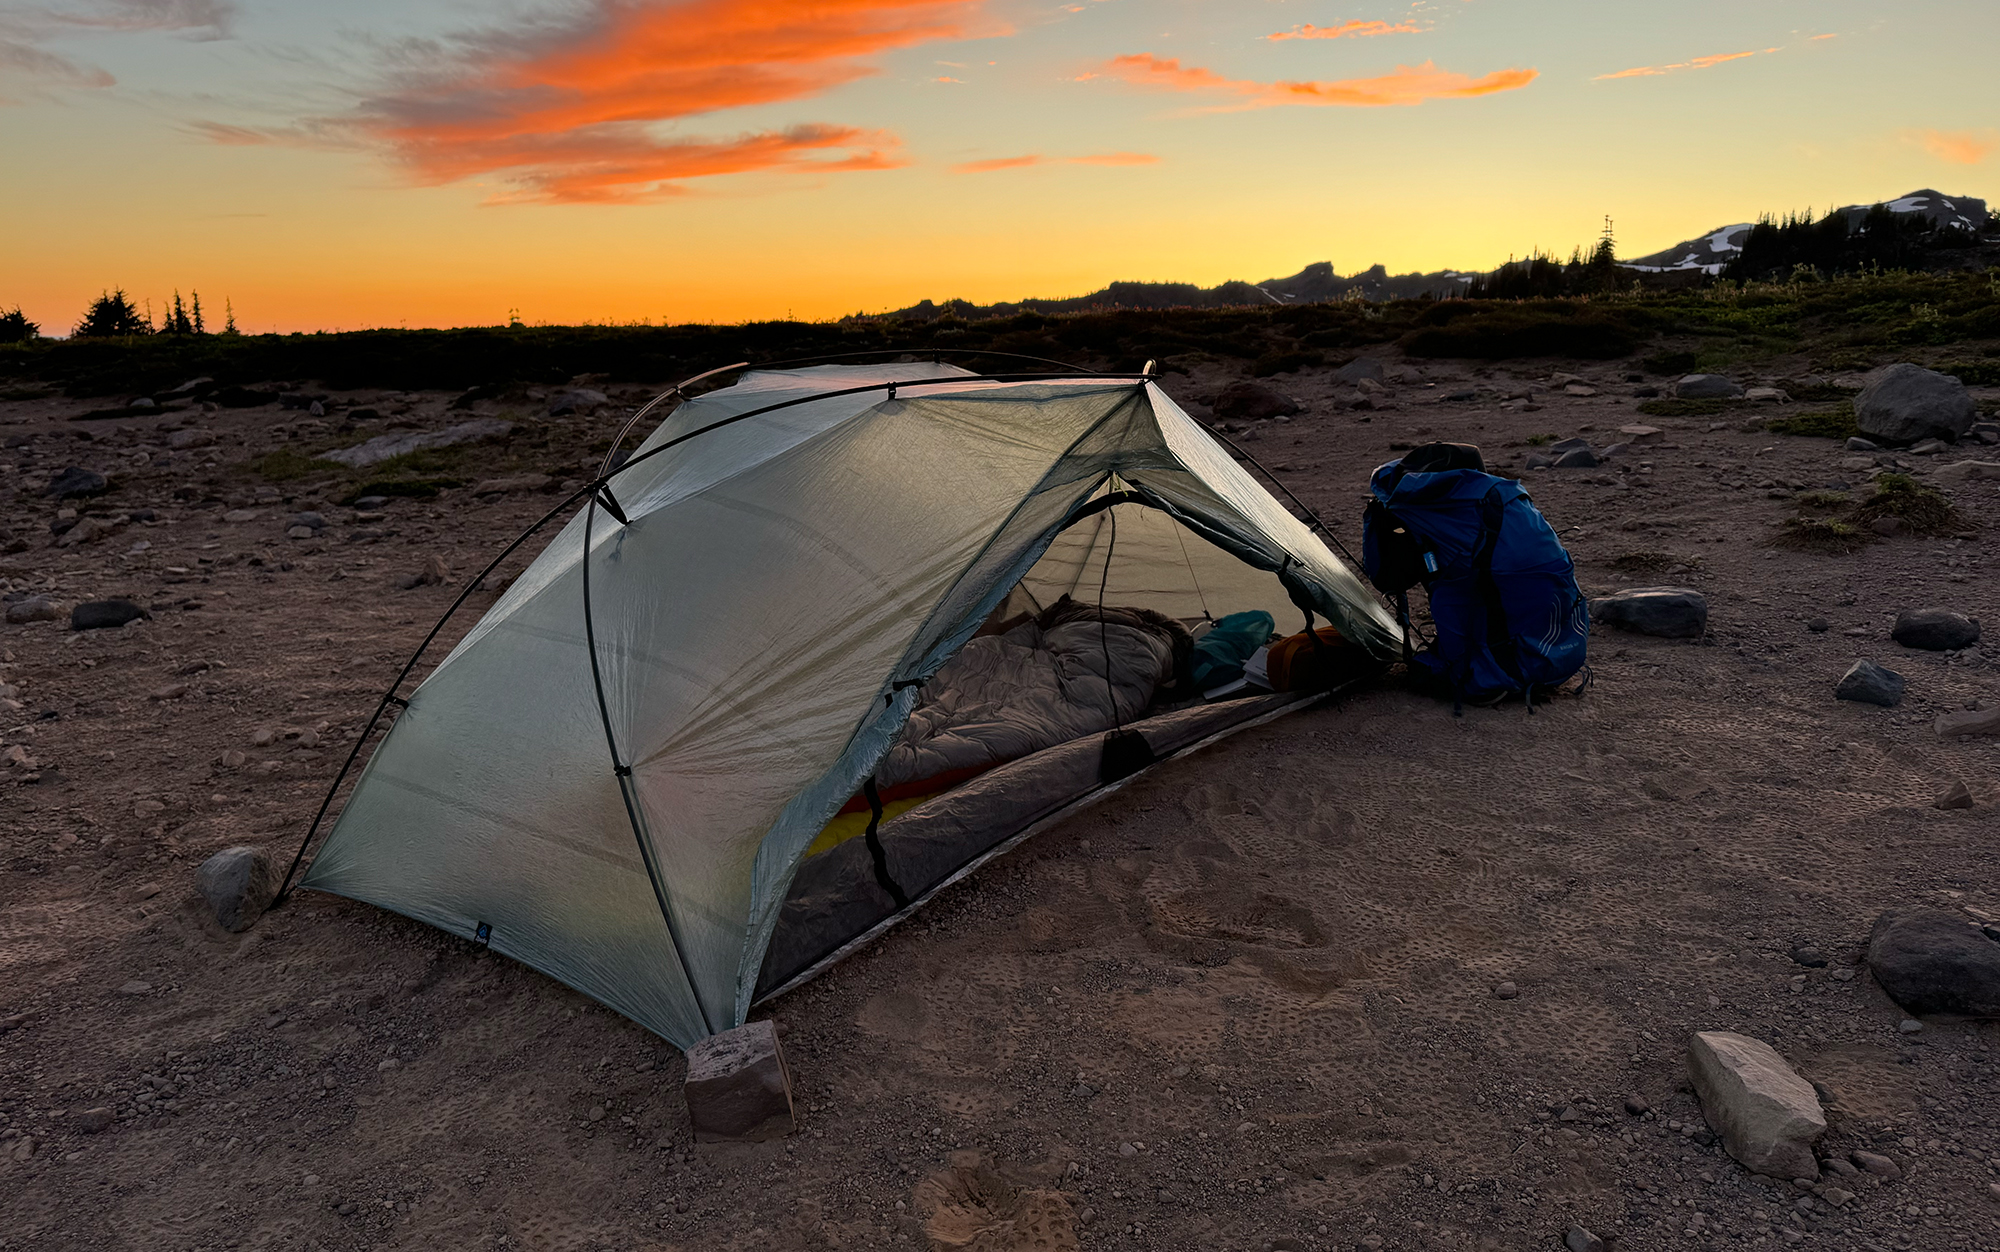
(1930, 961)
(1906, 402)
(1766, 1115)
(1359, 368)
(1935, 630)
(1250, 402)
(104, 614)
(738, 1086)
(75, 481)
(382, 447)
(33, 609)
(1868, 683)
(1577, 458)
(239, 884)
(1668, 612)
(577, 400)
(1707, 387)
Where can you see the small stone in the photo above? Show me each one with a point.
(737, 1085)
(1935, 630)
(1577, 1239)
(239, 884)
(1868, 683)
(1818, 625)
(1909, 1026)
(1835, 1165)
(386, 1064)
(105, 614)
(1969, 722)
(1666, 612)
(262, 737)
(1956, 796)
(1642, 434)
(95, 1121)
(1811, 958)
(1246, 401)
(1856, 443)
(597, 1112)
(75, 481)
(135, 988)
(33, 609)
(172, 691)
(1766, 1115)
(1707, 387)
(1637, 1105)
(311, 1180)
(1577, 458)
(1876, 1164)
(434, 572)
(232, 758)
(1506, 991)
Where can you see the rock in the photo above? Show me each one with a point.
(104, 614)
(738, 1087)
(1865, 682)
(95, 1121)
(382, 447)
(1668, 612)
(88, 530)
(1766, 1115)
(1540, 460)
(1251, 402)
(1875, 1163)
(1935, 630)
(434, 572)
(1766, 395)
(1579, 389)
(76, 481)
(1909, 1026)
(1856, 443)
(1967, 471)
(1956, 796)
(1506, 991)
(1811, 958)
(1818, 625)
(236, 517)
(143, 404)
(1637, 1105)
(1707, 387)
(1577, 458)
(310, 520)
(1642, 434)
(577, 400)
(1905, 403)
(301, 532)
(1359, 368)
(32, 609)
(1927, 447)
(135, 987)
(1577, 1239)
(513, 482)
(182, 440)
(239, 884)
(1969, 722)
(1930, 961)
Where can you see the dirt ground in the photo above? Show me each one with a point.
(1247, 1003)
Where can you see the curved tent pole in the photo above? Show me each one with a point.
(623, 773)
(591, 491)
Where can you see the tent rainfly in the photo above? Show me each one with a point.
(625, 773)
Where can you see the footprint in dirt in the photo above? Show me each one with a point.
(969, 1206)
(1270, 921)
(1230, 807)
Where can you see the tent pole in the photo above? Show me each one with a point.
(623, 773)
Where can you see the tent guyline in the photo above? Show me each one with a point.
(593, 490)
(869, 606)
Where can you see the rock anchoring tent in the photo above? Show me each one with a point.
(651, 770)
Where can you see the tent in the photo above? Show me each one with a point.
(618, 774)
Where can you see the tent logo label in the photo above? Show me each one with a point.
(483, 932)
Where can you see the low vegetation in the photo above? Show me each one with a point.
(1825, 424)
(1925, 510)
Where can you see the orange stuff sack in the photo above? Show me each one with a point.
(1301, 663)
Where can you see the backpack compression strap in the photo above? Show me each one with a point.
(1492, 513)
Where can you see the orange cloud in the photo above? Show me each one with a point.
(1116, 158)
(1699, 63)
(1410, 84)
(997, 163)
(1960, 147)
(567, 112)
(1355, 29)
(1021, 162)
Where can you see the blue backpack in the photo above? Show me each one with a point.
(1508, 615)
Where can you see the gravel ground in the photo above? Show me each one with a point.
(1254, 1001)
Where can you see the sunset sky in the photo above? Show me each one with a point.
(443, 162)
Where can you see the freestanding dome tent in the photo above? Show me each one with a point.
(618, 774)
